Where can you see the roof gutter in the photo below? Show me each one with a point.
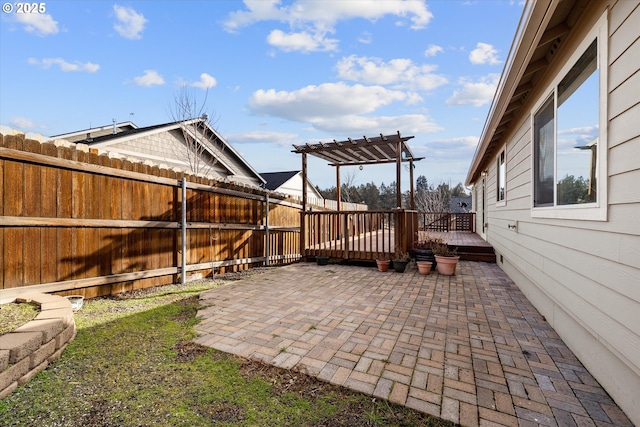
(533, 23)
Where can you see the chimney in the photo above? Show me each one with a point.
(114, 126)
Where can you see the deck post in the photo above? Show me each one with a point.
(304, 181)
(398, 173)
(267, 250)
(303, 231)
(345, 235)
(413, 197)
(303, 235)
(338, 192)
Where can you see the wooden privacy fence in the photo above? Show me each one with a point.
(357, 235)
(74, 221)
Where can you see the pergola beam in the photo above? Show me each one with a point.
(360, 152)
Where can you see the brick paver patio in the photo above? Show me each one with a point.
(468, 348)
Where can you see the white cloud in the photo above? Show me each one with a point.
(310, 21)
(40, 24)
(149, 78)
(317, 14)
(325, 100)
(356, 124)
(130, 23)
(452, 148)
(65, 66)
(475, 93)
(301, 41)
(338, 108)
(284, 139)
(365, 38)
(206, 81)
(402, 73)
(432, 50)
(484, 54)
(22, 122)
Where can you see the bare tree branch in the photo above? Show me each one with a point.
(193, 119)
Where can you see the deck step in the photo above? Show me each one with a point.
(476, 253)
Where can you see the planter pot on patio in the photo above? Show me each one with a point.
(447, 264)
(400, 266)
(322, 260)
(425, 255)
(424, 267)
(383, 264)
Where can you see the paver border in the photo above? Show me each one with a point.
(33, 346)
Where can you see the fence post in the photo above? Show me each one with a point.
(183, 225)
(266, 232)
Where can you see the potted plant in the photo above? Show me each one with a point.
(400, 261)
(446, 258)
(383, 264)
(322, 260)
(422, 250)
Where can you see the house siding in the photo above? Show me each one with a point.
(583, 275)
(169, 147)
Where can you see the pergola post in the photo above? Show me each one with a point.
(303, 212)
(304, 182)
(338, 192)
(398, 174)
(413, 202)
(356, 152)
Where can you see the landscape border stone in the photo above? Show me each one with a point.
(34, 345)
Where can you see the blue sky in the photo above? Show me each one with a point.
(275, 73)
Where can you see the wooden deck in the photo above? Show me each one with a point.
(469, 245)
(379, 244)
(371, 235)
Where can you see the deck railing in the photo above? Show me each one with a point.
(357, 235)
(446, 221)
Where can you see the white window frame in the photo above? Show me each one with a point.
(588, 211)
(503, 201)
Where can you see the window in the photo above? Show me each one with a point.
(567, 133)
(501, 183)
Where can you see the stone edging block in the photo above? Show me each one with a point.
(33, 346)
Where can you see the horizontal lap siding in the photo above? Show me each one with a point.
(586, 271)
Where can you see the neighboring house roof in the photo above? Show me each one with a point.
(543, 28)
(276, 181)
(83, 134)
(124, 136)
(460, 204)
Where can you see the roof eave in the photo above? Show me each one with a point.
(532, 25)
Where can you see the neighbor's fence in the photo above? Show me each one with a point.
(73, 221)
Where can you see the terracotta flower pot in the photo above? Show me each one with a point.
(425, 255)
(424, 267)
(447, 264)
(383, 264)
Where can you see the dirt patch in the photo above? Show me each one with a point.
(14, 315)
(188, 351)
(356, 414)
(224, 412)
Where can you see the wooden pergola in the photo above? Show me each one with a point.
(359, 152)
